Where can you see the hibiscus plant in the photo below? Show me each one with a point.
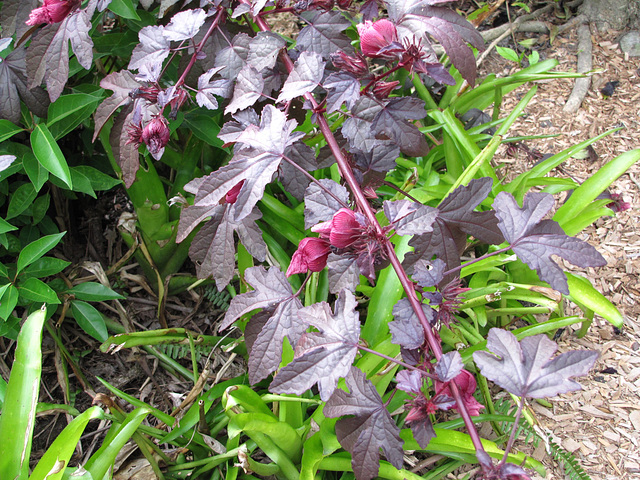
(344, 183)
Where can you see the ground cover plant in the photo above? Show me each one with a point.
(340, 188)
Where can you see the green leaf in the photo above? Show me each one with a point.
(124, 8)
(99, 181)
(37, 249)
(508, 53)
(584, 294)
(40, 208)
(49, 154)
(81, 183)
(205, 128)
(94, 292)
(45, 267)
(51, 465)
(90, 320)
(8, 302)
(20, 200)
(69, 111)
(103, 459)
(36, 172)
(19, 409)
(8, 130)
(6, 226)
(35, 290)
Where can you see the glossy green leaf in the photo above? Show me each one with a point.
(40, 207)
(68, 111)
(205, 128)
(8, 130)
(103, 458)
(37, 249)
(124, 9)
(99, 181)
(595, 185)
(52, 464)
(89, 319)
(19, 410)
(20, 200)
(45, 267)
(94, 292)
(583, 293)
(6, 226)
(81, 183)
(8, 301)
(36, 290)
(49, 154)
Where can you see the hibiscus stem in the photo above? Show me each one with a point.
(512, 437)
(399, 190)
(398, 362)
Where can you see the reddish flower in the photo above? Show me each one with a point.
(466, 384)
(150, 93)
(378, 39)
(232, 195)
(156, 135)
(356, 65)
(311, 255)
(617, 204)
(52, 11)
(382, 89)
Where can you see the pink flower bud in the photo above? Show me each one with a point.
(232, 195)
(466, 383)
(382, 89)
(52, 11)
(311, 255)
(376, 37)
(156, 135)
(355, 65)
(345, 228)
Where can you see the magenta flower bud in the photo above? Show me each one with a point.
(232, 195)
(617, 204)
(382, 89)
(356, 65)
(376, 37)
(51, 11)
(466, 383)
(156, 135)
(311, 255)
(345, 228)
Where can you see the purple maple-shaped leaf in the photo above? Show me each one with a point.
(526, 369)
(381, 158)
(410, 218)
(293, 180)
(449, 366)
(269, 288)
(230, 131)
(428, 274)
(391, 123)
(247, 91)
(324, 33)
(13, 87)
(325, 356)
(152, 48)
(534, 240)
(342, 87)
(456, 218)
(343, 272)
(14, 15)
(357, 128)
(264, 49)
(406, 329)
(370, 429)
(121, 84)
(213, 247)
(185, 25)
(207, 89)
(48, 53)
(319, 205)
(234, 57)
(305, 77)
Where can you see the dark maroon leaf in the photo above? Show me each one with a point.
(428, 274)
(526, 369)
(410, 381)
(357, 128)
(185, 25)
(264, 49)
(423, 431)
(13, 86)
(234, 57)
(406, 329)
(247, 91)
(207, 89)
(270, 288)
(320, 206)
(343, 273)
(121, 83)
(324, 33)
(153, 47)
(342, 88)
(410, 218)
(293, 180)
(534, 240)
(325, 356)
(449, 366)
(126, 154)
(370, 429)
(305, 77)
(14, 15)
(255, 326)
(381, 158)
(391, 123)
(213, 247)
(48, 53)
(230, 131)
